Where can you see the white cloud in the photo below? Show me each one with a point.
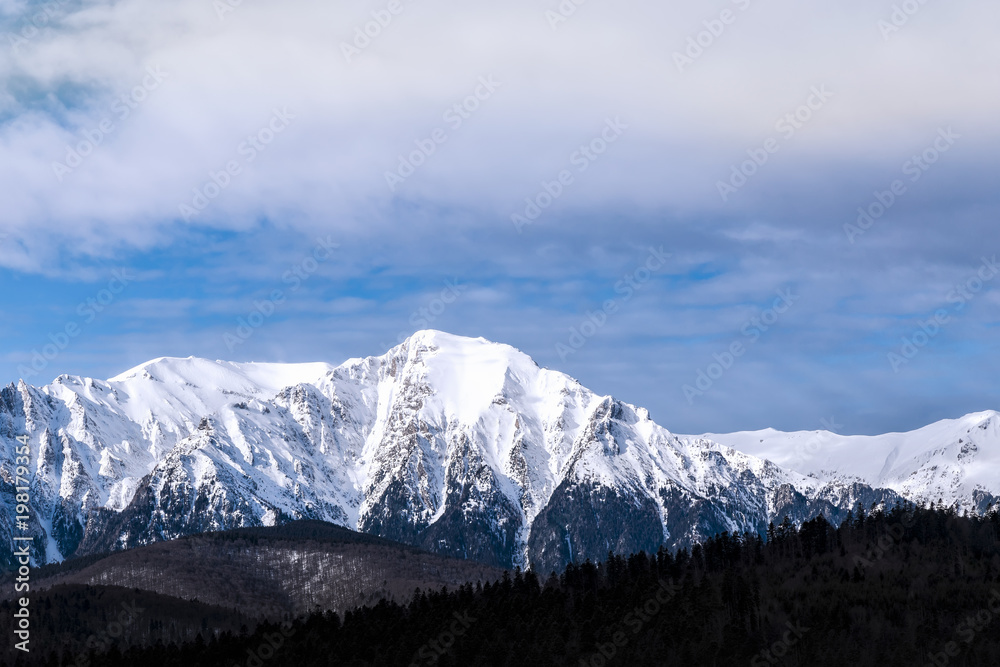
(352, 120)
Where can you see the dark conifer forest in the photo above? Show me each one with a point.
(910, 587)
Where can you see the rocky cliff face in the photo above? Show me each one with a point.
(457, 445)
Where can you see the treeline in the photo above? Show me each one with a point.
(909, 586)
(84, 620)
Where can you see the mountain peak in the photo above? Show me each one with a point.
(436, 335)
(444, 340)
(458, 444)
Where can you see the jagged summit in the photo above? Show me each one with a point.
(459, 445)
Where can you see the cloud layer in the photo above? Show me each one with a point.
(207, 146)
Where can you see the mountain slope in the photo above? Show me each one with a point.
(269, 572)
(457, 445)
(956, 461)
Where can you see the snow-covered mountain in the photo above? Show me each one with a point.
(458, 445)
(954, 461)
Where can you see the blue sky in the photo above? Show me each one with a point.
(229, 152)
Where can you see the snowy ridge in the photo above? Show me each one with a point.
(956, 461)
(458, 445)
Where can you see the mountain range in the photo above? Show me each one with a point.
(456, 445)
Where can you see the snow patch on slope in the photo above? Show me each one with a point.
(947, 460)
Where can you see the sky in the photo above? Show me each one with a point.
(738, 214)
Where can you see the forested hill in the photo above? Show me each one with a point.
(907, 587)
(268, 572)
